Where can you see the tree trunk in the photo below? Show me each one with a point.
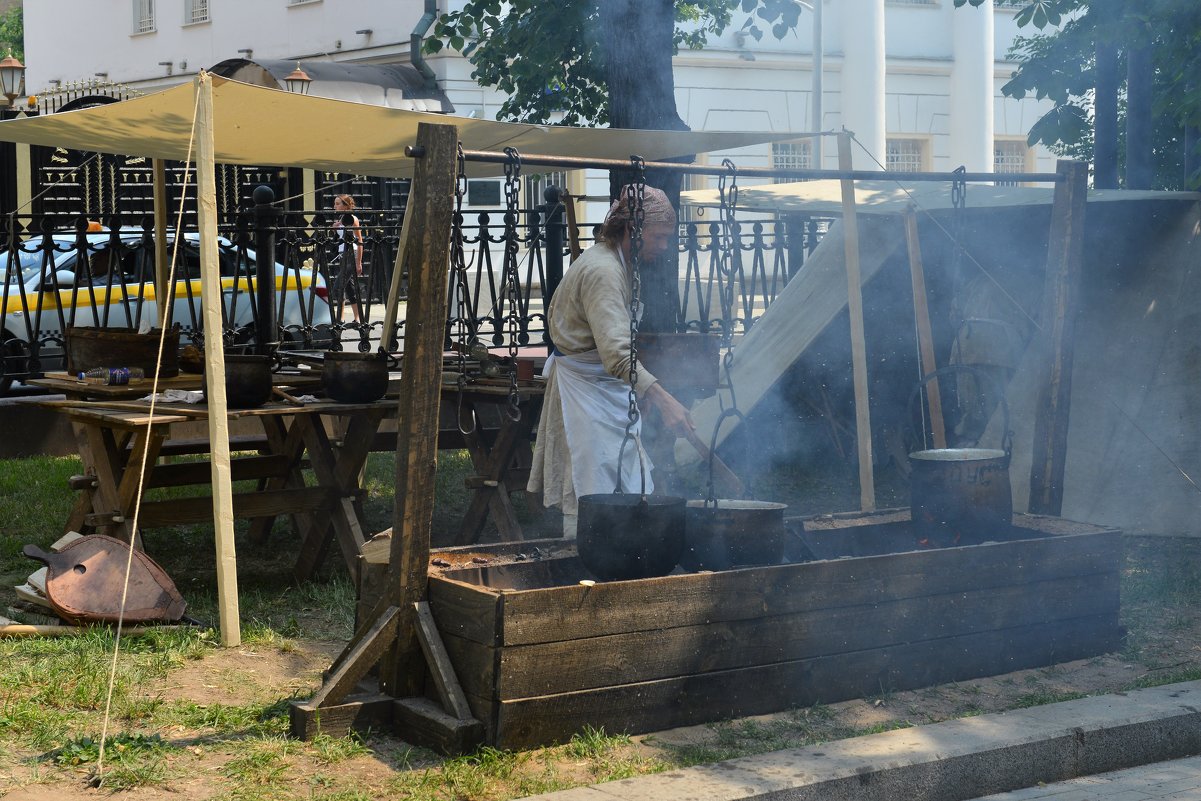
(1140, 77)
(1105, 128)
(638, 36)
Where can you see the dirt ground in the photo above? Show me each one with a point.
(1165, 645)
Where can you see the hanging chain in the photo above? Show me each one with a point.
(726, 264)
(512, 273)
(637, 217)
(458, 262)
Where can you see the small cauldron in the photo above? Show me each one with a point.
(721, 534)
(622, 537)
(350, 377)
(247, 380)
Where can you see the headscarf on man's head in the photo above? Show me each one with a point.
(656, 210)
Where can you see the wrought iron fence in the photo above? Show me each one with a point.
(57, 276)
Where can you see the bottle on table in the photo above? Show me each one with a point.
(112, 376)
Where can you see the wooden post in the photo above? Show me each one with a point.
(214, 357)
(925, 338)
(388, 339)
(427, 252)
(1057, 339)
(863, 422)
(162, 291)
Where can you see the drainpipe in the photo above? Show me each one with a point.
(415, 56)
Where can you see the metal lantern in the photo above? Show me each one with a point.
(298, 81)
(12, 78)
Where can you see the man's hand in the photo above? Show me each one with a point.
(675, 417)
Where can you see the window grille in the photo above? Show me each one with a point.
(143, 16)
(905, 155)
(195, 11)
(791, 156)
(1009, 155)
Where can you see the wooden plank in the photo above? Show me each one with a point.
(342, 680)
(155, 514)
(1055, 342)
(427, 254)
(420, 721)
(689, 700)
(863, 423)
(441, 669)
(925, 336)
(465, 611)
(477, 667)
(360, 712)
(572, 612)
(552, 668)
(246, 468)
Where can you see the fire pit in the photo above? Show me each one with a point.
(541, 648)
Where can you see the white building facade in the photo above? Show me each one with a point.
(918, 81)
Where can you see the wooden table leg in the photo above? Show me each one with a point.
(491, 498)
(287, 441)
(116, 485)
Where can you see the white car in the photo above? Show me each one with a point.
(45, 293)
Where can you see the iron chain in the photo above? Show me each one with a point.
(512, 273)
(637, 217)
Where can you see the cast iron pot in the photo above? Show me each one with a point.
(721, 534)
(961, 496)
(247, 380)
(622, 537)
(350, 377)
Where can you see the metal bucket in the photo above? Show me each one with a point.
(721, 534)
(621, 537)
(350, 377)
(960, 496)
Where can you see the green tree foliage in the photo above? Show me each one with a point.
(12, 33)
(565, 55)
(1059, 63)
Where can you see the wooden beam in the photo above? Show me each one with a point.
(361, 712)
(863, 422)
(342, 680)
(161, 262)
(1056, 340)
(214, 357)
(392, 305)
(449, 691)
(427, 253)
(925, 338)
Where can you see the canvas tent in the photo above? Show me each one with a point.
(1134, 408)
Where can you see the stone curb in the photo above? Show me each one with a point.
(951, 761)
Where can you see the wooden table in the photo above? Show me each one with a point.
(114, 440)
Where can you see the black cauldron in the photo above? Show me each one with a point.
(623, 537)
(350, 377)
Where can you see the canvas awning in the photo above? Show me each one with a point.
(824, 197)
(255, 125)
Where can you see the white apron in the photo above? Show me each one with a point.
(595, 410)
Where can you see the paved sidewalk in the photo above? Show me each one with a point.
(962, 759)
(1178, 779)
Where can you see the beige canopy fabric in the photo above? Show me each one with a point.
(260, 126)
(824, 197)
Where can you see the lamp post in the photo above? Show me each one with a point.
(298, 81)
(12, 78)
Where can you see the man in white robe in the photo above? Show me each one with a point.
(586, 408)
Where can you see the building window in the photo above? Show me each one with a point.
(913, 2)
(791, 156)
(1010, 155)
(302, 2)
(905, 155)
(143, 16)
(195, 11)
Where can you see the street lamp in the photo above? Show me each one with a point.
(12, 78)
(298, 81)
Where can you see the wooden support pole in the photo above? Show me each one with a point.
(863, 421)
(214, 358)
(388, 338)
(162, 291)
(426, 251)
(1056, 341)
(925, 338)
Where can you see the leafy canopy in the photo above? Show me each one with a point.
(12, 33)
(550, 56)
